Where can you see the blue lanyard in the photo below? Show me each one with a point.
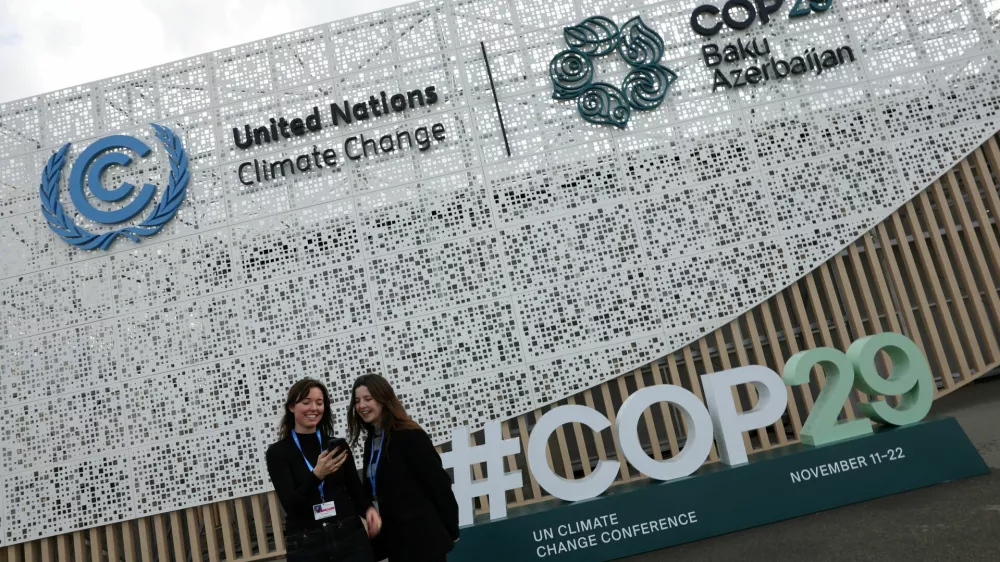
(309, 465)
(373, 462)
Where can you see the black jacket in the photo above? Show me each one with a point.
(418, 509)
(298, 488)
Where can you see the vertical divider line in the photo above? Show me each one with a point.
(496, 101)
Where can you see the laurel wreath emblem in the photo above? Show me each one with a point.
(645, 87)
(161, 214)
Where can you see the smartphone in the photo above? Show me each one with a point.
(336, 443)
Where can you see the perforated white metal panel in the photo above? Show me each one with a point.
(149, 377)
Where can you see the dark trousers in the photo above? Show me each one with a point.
(336, 541)
(413, 556)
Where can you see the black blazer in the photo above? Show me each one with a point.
(298, 488)
(418, 509)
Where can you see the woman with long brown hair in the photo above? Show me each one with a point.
(403, 476)
(316, 481)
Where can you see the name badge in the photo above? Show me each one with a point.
(324, 510)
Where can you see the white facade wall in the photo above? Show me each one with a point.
(149, 377)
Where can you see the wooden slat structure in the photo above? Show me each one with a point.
(929, 271)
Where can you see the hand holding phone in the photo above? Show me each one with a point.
(332, 458)
(336, 443)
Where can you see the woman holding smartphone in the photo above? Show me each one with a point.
(317, 484)
(403, 475)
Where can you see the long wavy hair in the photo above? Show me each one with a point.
(297, 393)
(394, 416)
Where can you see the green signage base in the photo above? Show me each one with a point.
(774, 486)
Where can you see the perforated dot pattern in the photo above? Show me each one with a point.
(79, 494)
(150, 377)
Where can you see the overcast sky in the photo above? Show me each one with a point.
(46, 45)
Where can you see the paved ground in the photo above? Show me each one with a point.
(959, 521)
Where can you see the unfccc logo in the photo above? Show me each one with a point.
(643, 89)
(93, 162)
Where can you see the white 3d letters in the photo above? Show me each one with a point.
(772, 399)
(570, 490)
(492, 452)
(720, 419)
(699, 434)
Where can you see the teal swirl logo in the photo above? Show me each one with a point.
(572, 73)
(645, 87)
(86, 172)
(603, 104)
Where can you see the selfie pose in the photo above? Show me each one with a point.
(316, 481)
(403, 476)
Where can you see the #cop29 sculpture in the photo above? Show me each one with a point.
(716, 421)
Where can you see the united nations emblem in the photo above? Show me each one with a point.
(89, 166)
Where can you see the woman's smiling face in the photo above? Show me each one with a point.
(367, 407)
(309, 411)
